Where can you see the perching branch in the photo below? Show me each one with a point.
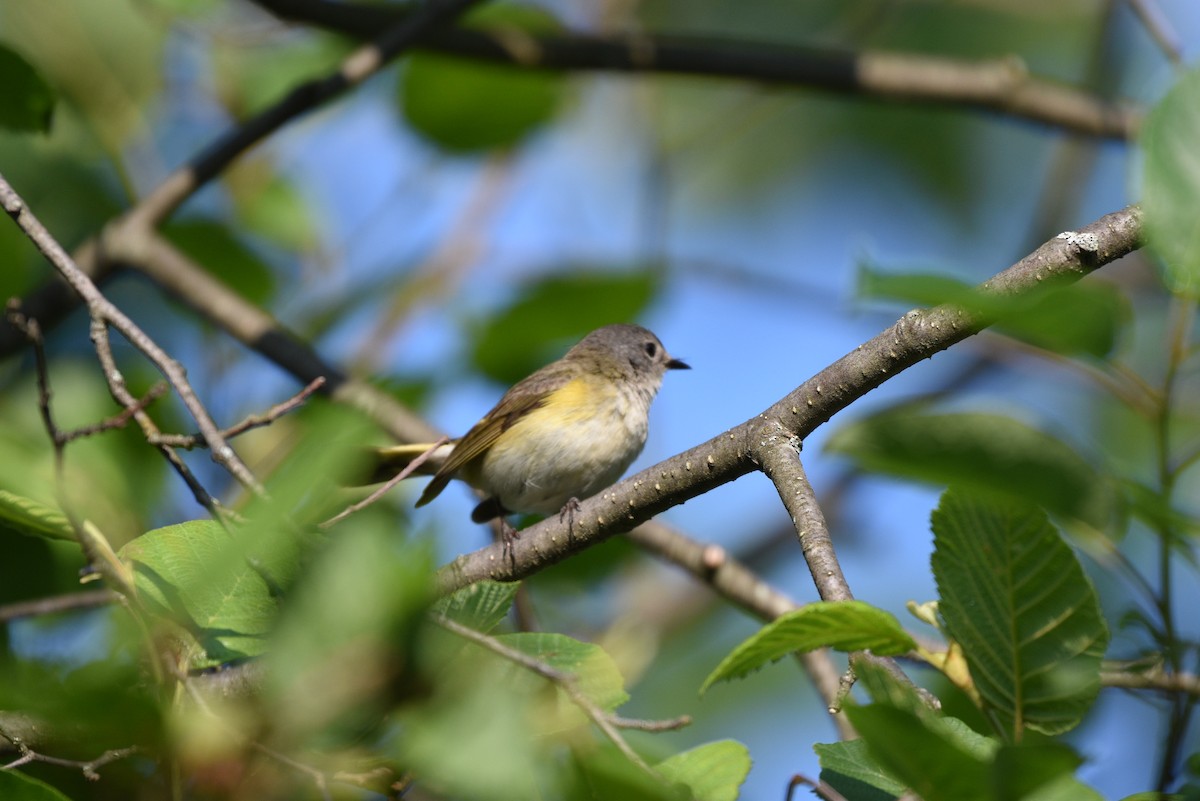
(915, 337)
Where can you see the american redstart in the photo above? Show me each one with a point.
(561, 435)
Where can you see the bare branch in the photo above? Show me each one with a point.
(188, 441)
(1003, 85)
(57, 604)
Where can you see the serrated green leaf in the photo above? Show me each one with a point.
(221, 253)
(1171, 181)
(1014, 596)
(712, 772)
(196, 574)
(987, 453)
(554, 312)
(480, 606)
(1075, 319)
(842, 625)
(29, 517)
(28, 101)
(16, 786)
(464, 106)
(849, 768)
(934, 765)
(596, 675)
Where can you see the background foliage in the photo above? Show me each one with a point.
(452, 224)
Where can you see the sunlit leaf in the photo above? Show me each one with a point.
(1171, 176)
(1014, 596)
(987, 452)
(184, 573)
(465, 106)
(712, 772)
(842, 625)
(480, 606)
(27, 516)
(595, 674)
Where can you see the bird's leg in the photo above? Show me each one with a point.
(568, 511)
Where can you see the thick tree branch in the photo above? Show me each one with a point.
(1003, 86)
(915, 337)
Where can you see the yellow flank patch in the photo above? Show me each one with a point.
(577, 400)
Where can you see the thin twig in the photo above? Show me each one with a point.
(819, 787)
(57, 604)
(391, 482)
(564, 681)
(90, 768)
(189, 441)
(1159, 28)
(105, 313)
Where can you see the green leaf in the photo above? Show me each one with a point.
(842, 625)
(28, 101)
(553, 313)
(1171, 176)
(346, 639)
(465, 106)
(27, 516)
(480, 606)
(16, 786)
(221, 253)
(987, 453)
(198, 574)
(1042, 771)
(927, 760)
(596, 675)
(850, 769)
(1014, 596)
(599, 772)
(712, 772)
(1075, 319)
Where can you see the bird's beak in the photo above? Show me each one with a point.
(678, 364)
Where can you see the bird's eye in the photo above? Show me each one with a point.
(651, 349)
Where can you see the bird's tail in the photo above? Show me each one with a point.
(380, 464)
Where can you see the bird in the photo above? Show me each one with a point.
(564, 433)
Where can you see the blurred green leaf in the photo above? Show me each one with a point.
(248, 79)
(480, 606)
(28, 102)
(219, 251)
(473, 739)
(600, 772)
(1083, 318)
(103, 58)
(554, 312)
(465, 106)
(191, 8)
(986, 452)
(1014, 596)
(16, 786)
(183, 573)
(595, 674)
(842, 625)
(712, 772)
(1171, 181)
(344, 646)
(270, 205)
(934, 765)
(29, 517)
(849, 768)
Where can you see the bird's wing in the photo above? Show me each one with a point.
(525, 396)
